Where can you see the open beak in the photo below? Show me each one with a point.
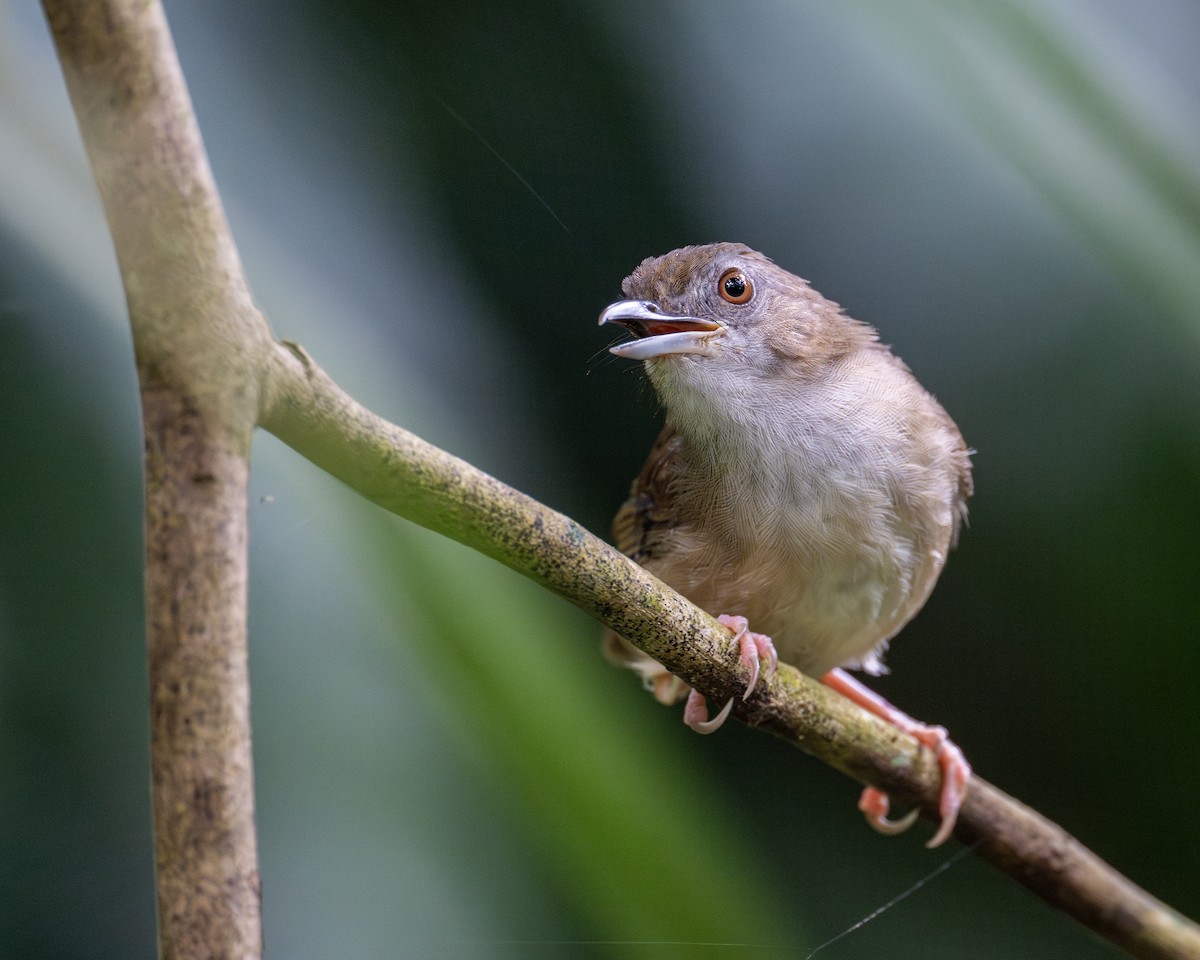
(657, 334)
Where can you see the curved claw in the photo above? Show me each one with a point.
(751, 648)
(875, 805)
(695, 714)
(751, 662)
(955, 774)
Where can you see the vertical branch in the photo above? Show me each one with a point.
(201, 763)
(199, 344)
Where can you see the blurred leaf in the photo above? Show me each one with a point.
(1048, 103)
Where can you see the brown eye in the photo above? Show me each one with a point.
(735, 286)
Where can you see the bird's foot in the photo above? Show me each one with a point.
(751, 648)
(956, 771)
(695, 714)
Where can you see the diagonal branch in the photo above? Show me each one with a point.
(406, 475)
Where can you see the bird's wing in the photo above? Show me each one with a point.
(638, 530)
(642, 518)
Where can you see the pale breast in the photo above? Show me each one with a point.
(827, 528)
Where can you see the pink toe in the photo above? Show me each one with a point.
(956, 772)
(748, 654)
(766, 649)
(695, 714)
(734, 624)
(875, 806)
(751, 648)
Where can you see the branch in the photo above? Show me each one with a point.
(198, 339)
(409, 477)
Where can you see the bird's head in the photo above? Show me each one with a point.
(725, 305)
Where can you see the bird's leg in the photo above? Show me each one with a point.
(955, 769)
(751, 646)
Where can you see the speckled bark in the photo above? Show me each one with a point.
(199, 344)
(201, 763)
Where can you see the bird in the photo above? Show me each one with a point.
(804, 482)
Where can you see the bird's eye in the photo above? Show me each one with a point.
(735, 286)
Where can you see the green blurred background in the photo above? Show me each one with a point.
(446, 768)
